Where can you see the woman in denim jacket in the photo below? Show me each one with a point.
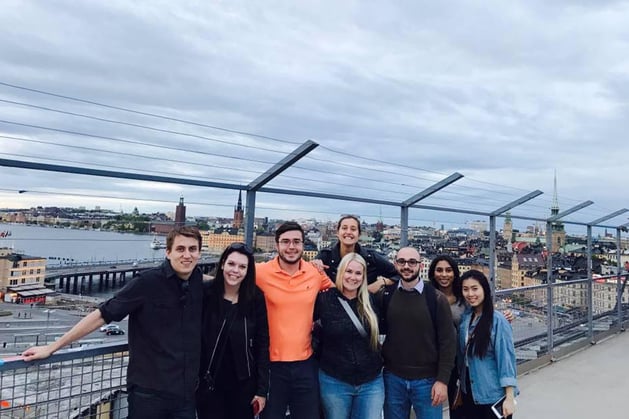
(486, 353)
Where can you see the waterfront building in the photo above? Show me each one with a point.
(164, 227)
(265, 242)
(217, 240)
(18, 270)
(180, 213)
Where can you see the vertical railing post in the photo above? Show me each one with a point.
(403, 226)
(619, 288)
(549, 285)
(590, 298)
(492, 255)
(250, 212)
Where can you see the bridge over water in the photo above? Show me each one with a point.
(88, 279)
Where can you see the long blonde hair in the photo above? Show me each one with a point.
(365, 311)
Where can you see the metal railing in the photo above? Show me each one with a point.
(76, 383)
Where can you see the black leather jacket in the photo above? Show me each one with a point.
(377, 264)
(249, 338)
(345, 354)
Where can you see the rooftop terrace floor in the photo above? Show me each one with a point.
(590, 383)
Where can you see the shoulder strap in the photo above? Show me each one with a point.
(353, 317)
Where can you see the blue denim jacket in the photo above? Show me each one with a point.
(497, 369)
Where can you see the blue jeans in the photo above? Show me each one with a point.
(400, 394)
(144, 404)
(346, 401)
(294, 385)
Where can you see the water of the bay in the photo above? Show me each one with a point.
(73, 246)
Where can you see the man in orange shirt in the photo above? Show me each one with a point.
(290, 288)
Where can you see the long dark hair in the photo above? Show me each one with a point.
(456, 282)
(246, 292)
(480, 341)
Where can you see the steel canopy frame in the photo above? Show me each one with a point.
(549, 264)
(235, 186)
(492, 232)
(589, 266)
(404, 205)
(265, 178)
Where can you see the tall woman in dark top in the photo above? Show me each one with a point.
(444, 275)
(350, 374)
(234, 371)
(379, 269)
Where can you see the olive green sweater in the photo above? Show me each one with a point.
(411, 350)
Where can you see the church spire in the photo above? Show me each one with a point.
(554, 209)
(239, 204)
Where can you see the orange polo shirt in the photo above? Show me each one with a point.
(289, 304)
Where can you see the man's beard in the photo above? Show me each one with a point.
(412, 278)
(289, 262)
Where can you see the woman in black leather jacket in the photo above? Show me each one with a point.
(380, 271)
(350, 367)
(234, 372)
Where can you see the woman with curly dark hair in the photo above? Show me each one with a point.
(444, 275)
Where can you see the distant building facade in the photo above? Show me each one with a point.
(180, 213)
(165, 227)
(18, 271)
(215, 241)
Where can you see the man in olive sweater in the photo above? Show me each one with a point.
(420, 344)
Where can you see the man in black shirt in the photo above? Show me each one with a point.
(164, 305)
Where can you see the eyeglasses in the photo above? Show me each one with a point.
(288, 242)
(241, 247)
(411, 262)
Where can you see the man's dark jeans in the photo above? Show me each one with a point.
(296, 385)
(144, 404)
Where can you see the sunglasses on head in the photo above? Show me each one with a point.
(241, 247)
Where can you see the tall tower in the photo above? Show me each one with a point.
(507, 229)
(558, 234)
(239, 213)
(380, 223)
(180, 213)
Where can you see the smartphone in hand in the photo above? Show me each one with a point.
(256, 408)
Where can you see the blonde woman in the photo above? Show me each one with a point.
(350, 368)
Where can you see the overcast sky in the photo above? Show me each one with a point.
(398, 95)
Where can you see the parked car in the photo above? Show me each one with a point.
(117, 331)
(108, 327)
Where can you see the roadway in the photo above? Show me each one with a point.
(27, 326)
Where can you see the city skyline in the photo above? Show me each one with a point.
(524, 227)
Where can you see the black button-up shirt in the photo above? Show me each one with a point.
(164, 329)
